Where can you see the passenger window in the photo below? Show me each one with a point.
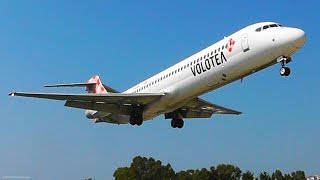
(187, 65)
(258, 30)
(197, 60)
(218, 49)
(222, 47)
(211, 52)
(215, 51)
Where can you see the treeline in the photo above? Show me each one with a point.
(143, 168)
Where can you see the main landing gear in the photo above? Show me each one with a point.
(177, 123)
(176, 118)
(136, 117)
(284, 71)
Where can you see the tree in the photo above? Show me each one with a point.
(247, 176)
(298, 175)
(145, 169)
(123, 174)
(288, 177)
(277, 175)
(184, 175)
(228, 172)
(201, 174)
(264, 176)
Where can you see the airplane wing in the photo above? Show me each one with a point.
(199, 108)
(106, 98)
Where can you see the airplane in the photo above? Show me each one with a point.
(175, 91)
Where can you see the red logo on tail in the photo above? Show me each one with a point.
(98, 88)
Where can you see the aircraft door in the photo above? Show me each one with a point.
(244, 42)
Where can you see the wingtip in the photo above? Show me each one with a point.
(12, 94)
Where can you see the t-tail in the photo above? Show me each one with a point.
(95, 86)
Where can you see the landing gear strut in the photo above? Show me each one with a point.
(284, 71)
(136, 117)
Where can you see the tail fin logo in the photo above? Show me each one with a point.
(98, 87)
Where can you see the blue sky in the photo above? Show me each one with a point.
(43, 42)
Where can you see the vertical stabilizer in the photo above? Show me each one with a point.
(96, 88)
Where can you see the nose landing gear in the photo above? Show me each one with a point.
(284, 71)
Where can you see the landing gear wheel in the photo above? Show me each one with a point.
(132, 121)
(136, 117)
(173, 123)
(136, 120)
(285, 71)
(139, 122)
(177, 123)
(180, 123)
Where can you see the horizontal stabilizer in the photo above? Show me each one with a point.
(71, 85)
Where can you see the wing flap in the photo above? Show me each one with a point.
(100, 106)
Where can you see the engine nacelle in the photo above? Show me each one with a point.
(91, 114)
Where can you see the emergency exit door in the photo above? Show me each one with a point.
(244, 42)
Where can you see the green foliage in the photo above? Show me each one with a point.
(247, 176)
(298, 175)
(228, 172)
(277, 175)
(143, 168)
(264, 176)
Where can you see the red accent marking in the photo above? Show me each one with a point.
(231, 42)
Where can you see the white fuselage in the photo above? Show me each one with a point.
(234, 57)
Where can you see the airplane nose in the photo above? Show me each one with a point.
(298, 37)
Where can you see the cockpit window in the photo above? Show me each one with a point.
(273, 25)
(268, 26)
